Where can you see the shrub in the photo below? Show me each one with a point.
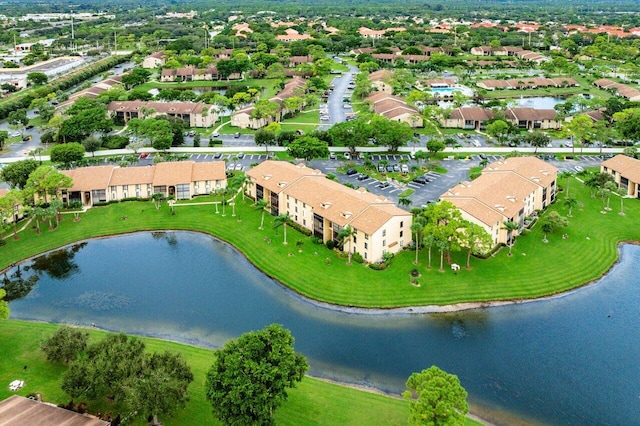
(357, 257)
(316, 240)
(331, 244)
(115, 142)
(300, 228)
(415, 272)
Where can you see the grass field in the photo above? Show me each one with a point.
(536, 269)
(313, 402)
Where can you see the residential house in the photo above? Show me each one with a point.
(528, 83)
(182, 180)
(626, 172)
(192, 73)
(154, 60)
(467, 117)
(293, 36)
(325, 207)
(509, 190)
(91, 92)
(621, 89)
(369, 33)
(193, 114)
(244, 118)
(395, 109)
(381, 79)
(532, 118)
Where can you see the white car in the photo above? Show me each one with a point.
(578, 169)
(238, 167)
(231, 167)
(324, 117)
(14, 134)
(404, 168)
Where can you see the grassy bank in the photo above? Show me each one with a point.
(313, 402)
(536, 269)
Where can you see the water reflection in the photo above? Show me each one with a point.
(16, 285)
(569, 360)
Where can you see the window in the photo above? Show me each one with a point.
(384, 243)
(401, 223)
(296, 207)
(365, 254)
(182, 191)
(113, 189)
(355, 240)
(125, 187)
(366, 236)
(384, 232)
(304, 222)
(401, 243)
(400, 234)
(138, 193)
(366, 246)
(138, 187)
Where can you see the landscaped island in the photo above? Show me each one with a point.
(536, 269)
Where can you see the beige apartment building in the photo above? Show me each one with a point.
(194, 114)
(325, 207)
(508, 190)
(182, 180)
(625, 171)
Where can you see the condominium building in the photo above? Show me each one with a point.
(325, 207)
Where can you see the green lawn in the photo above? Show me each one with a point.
(536, 269)
(313, 402)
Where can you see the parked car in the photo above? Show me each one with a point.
(396, 168)
(332, 156)
(578, 169)
(324, 117)
(351, 172)
(14, 134)
(389, 168)
(362, 176)
(404, 168)
(217, 155)
(29, 126)
(143, 155)
(381, 167)
(236, 135)
(231, 167)
(483, 156)
(27, 138)
(421, 180)
(384, 184)
(238, 167)
(240, 155)
(215, 135)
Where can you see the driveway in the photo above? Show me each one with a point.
(337, 113)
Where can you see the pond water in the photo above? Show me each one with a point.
(540, 102)
(568, 360)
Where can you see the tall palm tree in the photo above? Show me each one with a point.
(566, 175)
(546, 228)
(281, 220)
(223, 193)
(510, 226)
(345, 234)
(571, 203)
(442, 245)
(261, 205)
(416, 228)
(428, 240)
(622, 193)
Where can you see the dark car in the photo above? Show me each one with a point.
(362, 176)
(29, 127)
(236, 135)
(217, 155)
(383, 184)
(421, 180)
(389, 168)
(483, 156)
(351, 172)
(332, 156)
(396, 168)
(27, 138)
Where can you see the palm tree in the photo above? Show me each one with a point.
(510, 226)
(38, 214)
(571, 203)
(281, 220)
(622, 193)
(416, 228)
(261, 205)
(546, 229)
(241, 181)
(223, 193)
(566, 175)
(345, 234)
(428, 241)
(404, 202)
(442, 245)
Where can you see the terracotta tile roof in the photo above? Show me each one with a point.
(90, 178)
(530, 114)
(471, 114)
(376, 216)
(532, 168)
(278, 175)
(172, 173)
(381, 75)
(3, 192)
(502, 192)
(214, 170)
(478, 210)
(132, 175)
(18, 410)
(625, 165)
(181, 108)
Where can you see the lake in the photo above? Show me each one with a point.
(568, 360)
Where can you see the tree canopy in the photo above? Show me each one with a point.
(436, 397)
(16, 174)
(251, 375)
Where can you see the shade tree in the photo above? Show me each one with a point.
(65, 345)
(251, 375)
